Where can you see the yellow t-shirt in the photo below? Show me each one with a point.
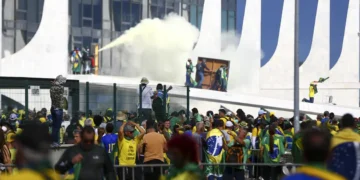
(29, 174)
(311, 91)
(224, 119)
(42, 120)
(127, 149)
(194, 129)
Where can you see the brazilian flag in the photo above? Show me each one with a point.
(214, 154)
(114, 153)
(321, 79)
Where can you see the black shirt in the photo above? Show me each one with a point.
(96, 163)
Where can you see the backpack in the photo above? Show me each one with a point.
(235, 154)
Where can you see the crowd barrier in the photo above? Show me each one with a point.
(254, 168)
(31, 95)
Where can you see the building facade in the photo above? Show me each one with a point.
(98, 22)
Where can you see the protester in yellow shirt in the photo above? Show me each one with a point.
(347, 134)
(127, 145)
(312, 92)
(223, 117)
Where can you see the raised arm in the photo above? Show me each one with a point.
(121, 132)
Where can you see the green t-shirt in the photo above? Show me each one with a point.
(174, 121)
(197, 117)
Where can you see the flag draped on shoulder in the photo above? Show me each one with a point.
(214, 152)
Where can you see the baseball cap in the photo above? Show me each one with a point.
(88, 122)
(229, 124)
(128, 128)
(13, 117)
(261, 112)
(229, 113)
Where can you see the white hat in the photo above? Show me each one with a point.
(229, 113)
(261, 112)
(229, 124)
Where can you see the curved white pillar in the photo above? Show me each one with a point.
(209, 42)
(346, 70)
(278, 72)
(46, 55)
(245, 67)
(317, 63)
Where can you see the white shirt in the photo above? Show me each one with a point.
(146, 97)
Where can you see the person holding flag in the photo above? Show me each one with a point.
(214, 154)
(313, 90)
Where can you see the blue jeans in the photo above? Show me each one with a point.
(57, 118)
(201, 79)
(310, 100)
(223, 84)
(188, 81)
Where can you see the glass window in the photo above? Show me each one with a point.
(161, 3)
(77, 38)
(40, 10)
(153, 12)
(87, 10)
(161, 11)
(170, 3)
(224, 4)
(87, 23)
(21, 15)
(22, 4)
(231, 21)
(136, 12)
(116, 8)
(86, 42)
(97, 16)
(95, 40)
(126, 11)
(76, 15)
(200, 12)
(193, 15)
(224, 23)
(154, 2)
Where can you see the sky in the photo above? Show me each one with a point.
(271, 13)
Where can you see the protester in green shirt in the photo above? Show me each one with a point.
(272, 148)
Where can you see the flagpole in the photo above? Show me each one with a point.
(296, 68)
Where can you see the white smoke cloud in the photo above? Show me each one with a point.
(244, 63)
(156, 49)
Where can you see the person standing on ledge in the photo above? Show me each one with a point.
(57, 104)
(189, 70)
(312, 92)
(200, 69)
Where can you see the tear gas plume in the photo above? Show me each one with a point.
(156, 49)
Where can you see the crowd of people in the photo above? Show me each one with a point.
(219, 80)
(154, 144)
(82, 61)
(193, 147)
